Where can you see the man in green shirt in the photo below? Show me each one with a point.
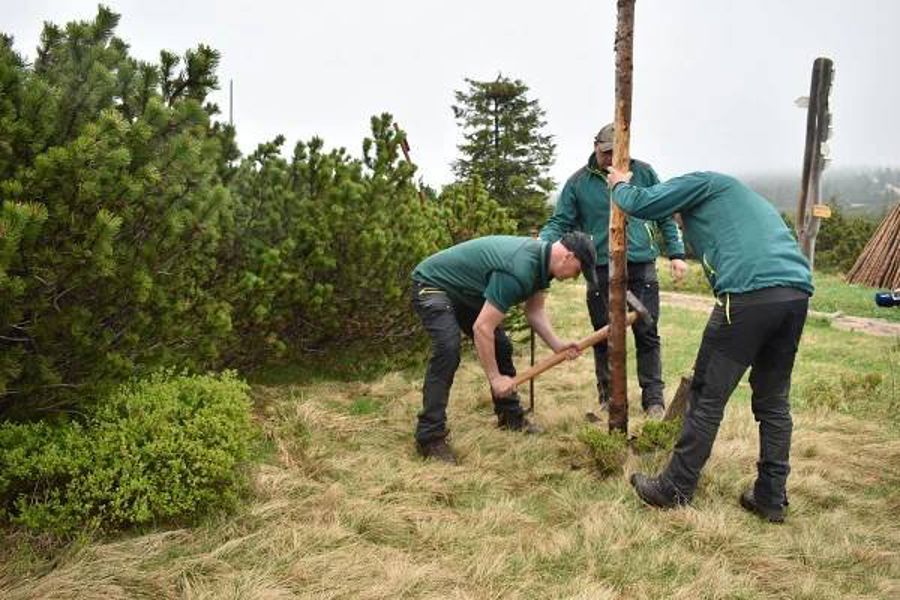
(469, 288)
(763, 284)
(584, 205)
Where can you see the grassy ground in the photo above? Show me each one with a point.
(832, 295)
(343, 508)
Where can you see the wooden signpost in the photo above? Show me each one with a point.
(818, 130)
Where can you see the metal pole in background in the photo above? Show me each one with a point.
(534, 234)
(231, 102)
(618, 271)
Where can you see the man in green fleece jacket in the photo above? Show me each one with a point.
(584, 205)
(469, 288)
(763, 284)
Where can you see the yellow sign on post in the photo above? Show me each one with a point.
(821, 211)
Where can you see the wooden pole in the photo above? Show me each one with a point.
(823, 121)
(807, 155)
(618, 266)
(818, 119)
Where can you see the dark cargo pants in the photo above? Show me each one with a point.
(643, 283)
(444, 321)
(760, 330)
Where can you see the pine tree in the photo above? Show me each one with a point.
(112, 205)
(469, 212)
(505, 146)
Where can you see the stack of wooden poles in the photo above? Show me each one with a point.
(879, 264)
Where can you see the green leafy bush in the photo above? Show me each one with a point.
(658, 435)
(166, 449)
(607, 450)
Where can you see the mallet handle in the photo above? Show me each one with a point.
(556, 358)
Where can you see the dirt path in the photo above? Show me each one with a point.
(838, 320)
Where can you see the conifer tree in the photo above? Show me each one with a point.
(504, 144)
(469, 212)
(111, 208)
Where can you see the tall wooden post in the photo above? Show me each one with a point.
(618, 251)
(818, 130)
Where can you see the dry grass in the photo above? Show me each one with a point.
(345, 509)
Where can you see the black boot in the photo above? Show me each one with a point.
(774, 514)
(437, 449)
(655, 492)
(517, 422)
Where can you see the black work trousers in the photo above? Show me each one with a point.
(643, 283)
(760, 330)
(444, 320)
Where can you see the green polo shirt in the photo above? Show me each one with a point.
(502, 269)
(583, 205)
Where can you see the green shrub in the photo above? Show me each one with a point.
(658, 435)
(327, 246)
(607, 450)
(112, 202)
(165, 449)
(841, 239)
(694, 282)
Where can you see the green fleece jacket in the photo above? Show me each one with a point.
(740, 238)
(583, 205)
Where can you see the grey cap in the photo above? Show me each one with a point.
(582, 246)
(604, 138)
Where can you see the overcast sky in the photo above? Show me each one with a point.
(715, 80)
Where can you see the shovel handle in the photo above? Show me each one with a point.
(556, 358)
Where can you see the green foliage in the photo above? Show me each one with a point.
(131, 237)
(166, 449)
(468, 212)
(658, 435)
(504, 146)
(327, 245)
(841, 240)
(111, 206)
(694, 282)
(607, 450)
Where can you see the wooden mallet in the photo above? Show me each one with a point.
(639, 311)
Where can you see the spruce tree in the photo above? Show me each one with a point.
(504, 144)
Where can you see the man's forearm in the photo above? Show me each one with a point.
(484, 347)
(541, 325)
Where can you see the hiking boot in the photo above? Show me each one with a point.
(656, 412)
(773, 514)
(654, 492)
(437, 449)
(518, 423)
